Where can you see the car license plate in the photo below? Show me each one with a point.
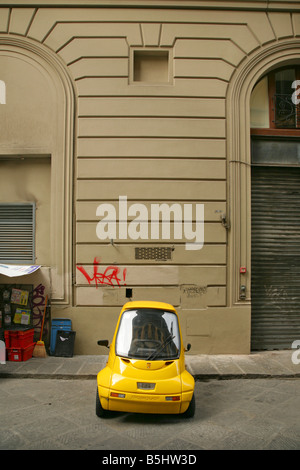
(145, 386)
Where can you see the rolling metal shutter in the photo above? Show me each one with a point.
(275, 283)
(17, 231)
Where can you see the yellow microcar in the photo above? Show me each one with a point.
(145, 372)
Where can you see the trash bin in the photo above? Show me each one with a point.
(56, 325)
(64, 345)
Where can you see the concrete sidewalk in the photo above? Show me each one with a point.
(265, 364)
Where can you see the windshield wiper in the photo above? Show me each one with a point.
(161, 347)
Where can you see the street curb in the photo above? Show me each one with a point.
(197, 377)
(46, 376)
(264, 365)
(203, 377)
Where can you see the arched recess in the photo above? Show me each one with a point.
(59, 85)
(246, 76)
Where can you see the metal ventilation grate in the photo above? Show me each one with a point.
(153, 253)
(17, 229)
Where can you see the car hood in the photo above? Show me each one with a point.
(127, 372)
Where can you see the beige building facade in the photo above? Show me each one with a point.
(116, 115)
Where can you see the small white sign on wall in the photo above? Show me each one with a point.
(2, 92)
(2, 353)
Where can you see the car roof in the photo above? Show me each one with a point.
(148, 304)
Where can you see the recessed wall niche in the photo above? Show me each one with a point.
(151, 66)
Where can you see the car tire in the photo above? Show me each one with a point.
(100, 411)
(190, 412)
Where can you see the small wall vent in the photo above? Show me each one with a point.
(154, 253)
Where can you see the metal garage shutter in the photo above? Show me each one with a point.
(275, 279)
(17, 233)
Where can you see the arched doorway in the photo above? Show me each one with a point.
(36, 150)
(275, 200)
(268, 58)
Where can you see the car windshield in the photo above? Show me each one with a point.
(149, 334)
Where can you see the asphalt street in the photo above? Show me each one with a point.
(230, 414)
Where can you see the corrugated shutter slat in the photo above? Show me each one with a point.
(275, 290)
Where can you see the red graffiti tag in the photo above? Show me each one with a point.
(110, 277)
